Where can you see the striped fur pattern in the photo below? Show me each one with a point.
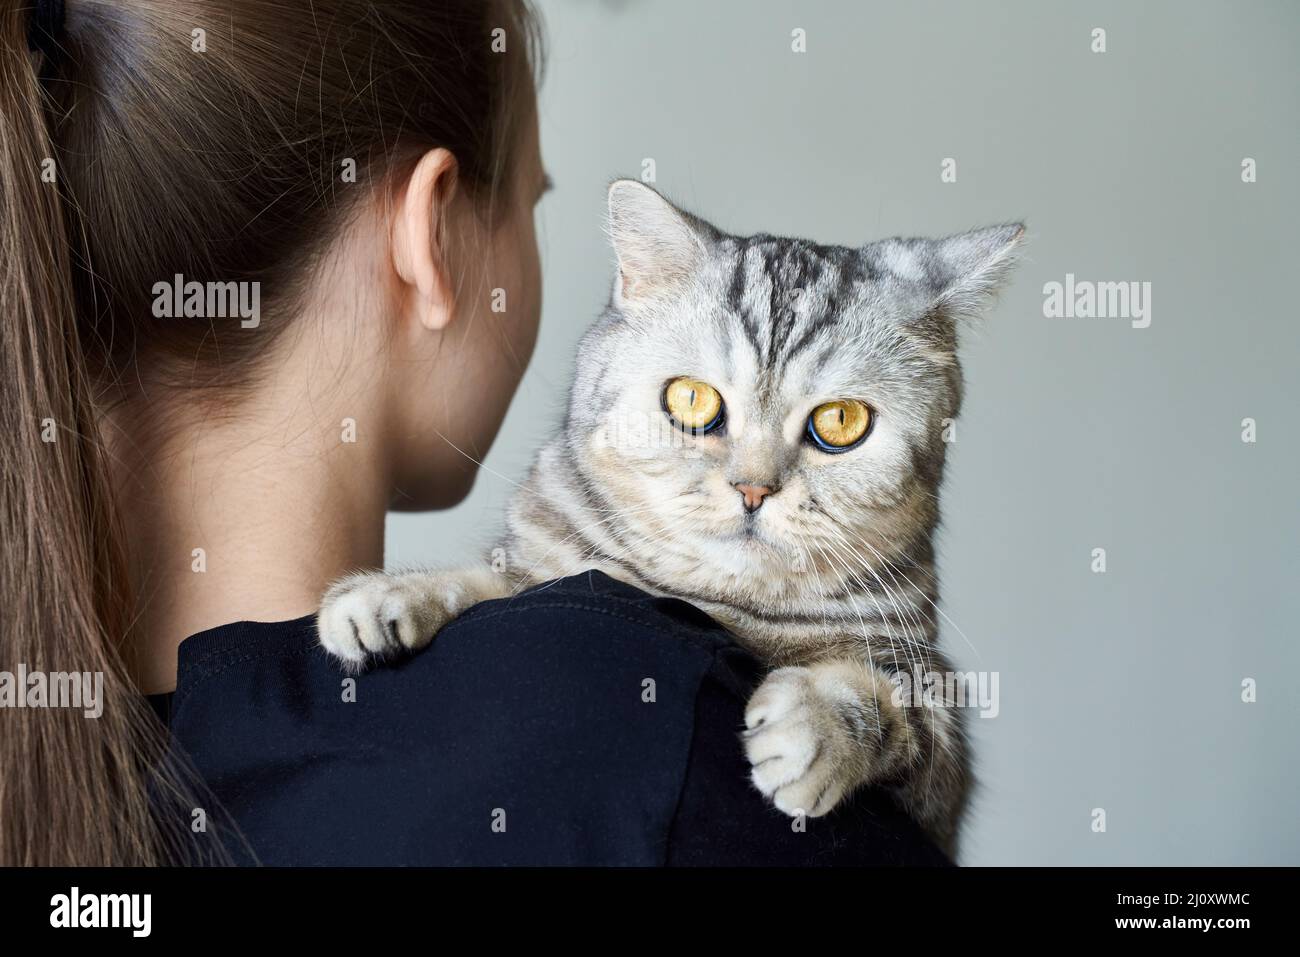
(832, 580)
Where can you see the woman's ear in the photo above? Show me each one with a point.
(419, 231)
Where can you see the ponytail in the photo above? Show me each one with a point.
(74, 789)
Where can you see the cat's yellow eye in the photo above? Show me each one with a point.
(694, 406)
(838, 426)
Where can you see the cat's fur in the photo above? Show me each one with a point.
(832, 580)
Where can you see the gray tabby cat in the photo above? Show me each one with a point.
(756, 428)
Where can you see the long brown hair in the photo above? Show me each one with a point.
(207, 139)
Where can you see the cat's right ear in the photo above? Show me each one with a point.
(658, 246)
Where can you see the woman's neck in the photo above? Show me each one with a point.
(231, 519)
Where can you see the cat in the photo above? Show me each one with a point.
(755, 427)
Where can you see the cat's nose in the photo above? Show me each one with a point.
(753, 495)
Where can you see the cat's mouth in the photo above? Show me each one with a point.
(751, 535)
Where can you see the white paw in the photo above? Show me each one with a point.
(373, 614)
(799, 748)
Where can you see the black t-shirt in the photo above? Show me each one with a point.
(582, 722)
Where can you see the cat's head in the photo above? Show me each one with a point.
(751, 405)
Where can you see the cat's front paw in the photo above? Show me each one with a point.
(373, 614)
(802, 754)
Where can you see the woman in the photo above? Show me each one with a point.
(254, 262)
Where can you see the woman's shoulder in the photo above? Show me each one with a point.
(567, 613)
(605, 633)
(594, 597)
(583, 721)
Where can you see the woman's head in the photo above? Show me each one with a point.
(363, 172)
(241, 142)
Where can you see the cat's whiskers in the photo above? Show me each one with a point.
(917, 672)
(932, 602)
(866, 636)
(583, 560)
(521, 486)
(479, 463)
(909, 642)
(656, 538)
(615, 514)
(661, 540)
(888, 566)
(906, 609)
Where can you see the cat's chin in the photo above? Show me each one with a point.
(752, 546)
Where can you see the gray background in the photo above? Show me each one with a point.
(1119, 690)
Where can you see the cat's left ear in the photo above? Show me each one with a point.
(658, 245)
(964, 271)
